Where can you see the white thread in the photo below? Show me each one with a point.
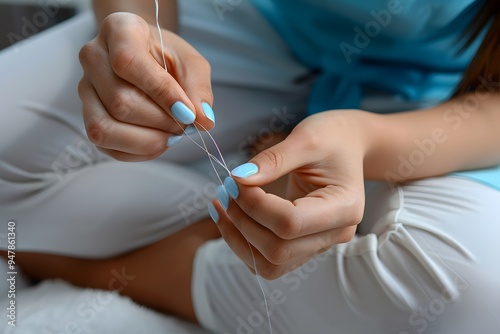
(261, 289)
(160, 34)
(212, 158)
(204, 148)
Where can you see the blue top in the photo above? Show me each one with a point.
(408, 48)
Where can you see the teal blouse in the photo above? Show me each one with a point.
(408, 48)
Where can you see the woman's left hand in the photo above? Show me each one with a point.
(323, 157)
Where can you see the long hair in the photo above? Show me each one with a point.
(485, 66)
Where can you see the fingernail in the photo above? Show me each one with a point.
(223, 197)
(231, 187)
(182, 113)
(173, 140)
(245, 170)
(213, 212)
(209, 112)
(190, 130)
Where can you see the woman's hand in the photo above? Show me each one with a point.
(129, 100)
(323, 158)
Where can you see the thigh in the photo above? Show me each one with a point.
(66, 197)
(40, 109)
(64, 193)
(104, 210)
(423, 261)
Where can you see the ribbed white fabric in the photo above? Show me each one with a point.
(425, 261)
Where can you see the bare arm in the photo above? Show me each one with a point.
(327, 157)
(145, 9)
(460, 134)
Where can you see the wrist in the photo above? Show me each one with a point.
(356, 135)
(168, 11)
(376, 140)
(367, 131)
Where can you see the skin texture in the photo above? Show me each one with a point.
(326, 157)
(157, 276)
(144, 9)
(127, 94)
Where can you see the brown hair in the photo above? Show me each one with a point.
(485, 66)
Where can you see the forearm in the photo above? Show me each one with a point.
(145, 9)
(461, 134)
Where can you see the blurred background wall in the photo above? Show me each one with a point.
(20, 19)
(80, 4)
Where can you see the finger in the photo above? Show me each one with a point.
(123, 101)
(233, 237)
(193, 74)
(249, 254)
(327, 208)
(131, 59)
(331, 207)
(121, 156)
(303, 151)
(279, 251)
(252, 270)
(244, 250)
(108, 133)
(271, 164)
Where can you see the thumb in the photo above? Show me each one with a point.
(271, 164)
(192, 72)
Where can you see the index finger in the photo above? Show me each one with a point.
(319, 211)
(130, 58)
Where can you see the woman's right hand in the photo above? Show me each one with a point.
(129, 100)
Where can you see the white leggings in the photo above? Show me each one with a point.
(63, 192)
(425, 259)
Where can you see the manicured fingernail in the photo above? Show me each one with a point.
(209, 112)
(182, 113)
(245, 170)
(173, 140)
(223, 197)
(190, 130)
(213, 212)
(231, 187)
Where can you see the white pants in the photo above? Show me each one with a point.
(63, 192)
(425, 259)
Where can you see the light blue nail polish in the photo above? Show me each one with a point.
(190, 130)
(231, 187)
(245, 170)
(209, 112)
(173, 140)
(213, 212)
(182, 113)
(223, 197)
